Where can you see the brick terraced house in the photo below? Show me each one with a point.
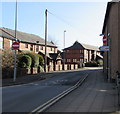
(28, 42)
(31, 43)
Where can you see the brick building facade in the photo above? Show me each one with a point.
(28, 42)
(81, 53)
(32, 43)
(111, 29)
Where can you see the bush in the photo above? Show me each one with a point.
(35, 59)
(40, 69)
(24, 61)
(100, 62)
(41, 60)
(7, 72)
(91, 64)
(7, 59)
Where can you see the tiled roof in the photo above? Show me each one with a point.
(55, 56)
(52, 56)
(24, 37)
(90, 47)
(78, 45)
(48, 55)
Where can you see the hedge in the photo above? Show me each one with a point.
(7, 59)
(24, 61)
(100, 62)
(41, 60)
(91, 64)
(40, 69)
(35, 59)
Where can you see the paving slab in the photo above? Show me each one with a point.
(95, 95)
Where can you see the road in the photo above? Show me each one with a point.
(27, 97)
(95, 95)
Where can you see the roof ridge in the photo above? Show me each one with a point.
(26, 37)
(89, 45)
(21, 32)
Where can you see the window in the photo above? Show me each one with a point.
(31, 47)
(41, 47)
(26, 45)
(81, 51)
(1, 43)
(81, 60)
(37, 48)
(51, 49)
(74, 60)
(68, 60)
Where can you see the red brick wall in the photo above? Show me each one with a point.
(22, 47)
(6, 43)
(74, 54)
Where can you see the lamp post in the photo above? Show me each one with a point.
(15, 66)
(45, 66)
(64, 52)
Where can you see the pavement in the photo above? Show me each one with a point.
(95, 95)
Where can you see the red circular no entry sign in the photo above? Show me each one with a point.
(104, 39)
(15, 45)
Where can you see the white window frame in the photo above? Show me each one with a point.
(1, 43)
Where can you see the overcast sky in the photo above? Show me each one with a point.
(83, 21)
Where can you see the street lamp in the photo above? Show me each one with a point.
(46, 15)
(64, 52)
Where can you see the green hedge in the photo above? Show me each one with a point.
(100, 62)
(41, 60)
(91, 64)
(30, 60)
(40, 69)
(24, 61)
(35, 59)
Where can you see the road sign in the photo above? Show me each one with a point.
(104, 48)
(104, 39)
(15, 45)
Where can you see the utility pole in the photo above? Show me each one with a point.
(45, 66)
(14, 78)
(64, 52)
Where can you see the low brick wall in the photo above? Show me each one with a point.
(76, 66)
(8, 72)
(72, 66)
(34, 70)
(23, 71)
(50, 68)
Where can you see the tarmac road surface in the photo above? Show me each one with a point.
(27, 97)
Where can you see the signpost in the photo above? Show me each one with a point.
(15, 45)
(104, 48)
(104, 39)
